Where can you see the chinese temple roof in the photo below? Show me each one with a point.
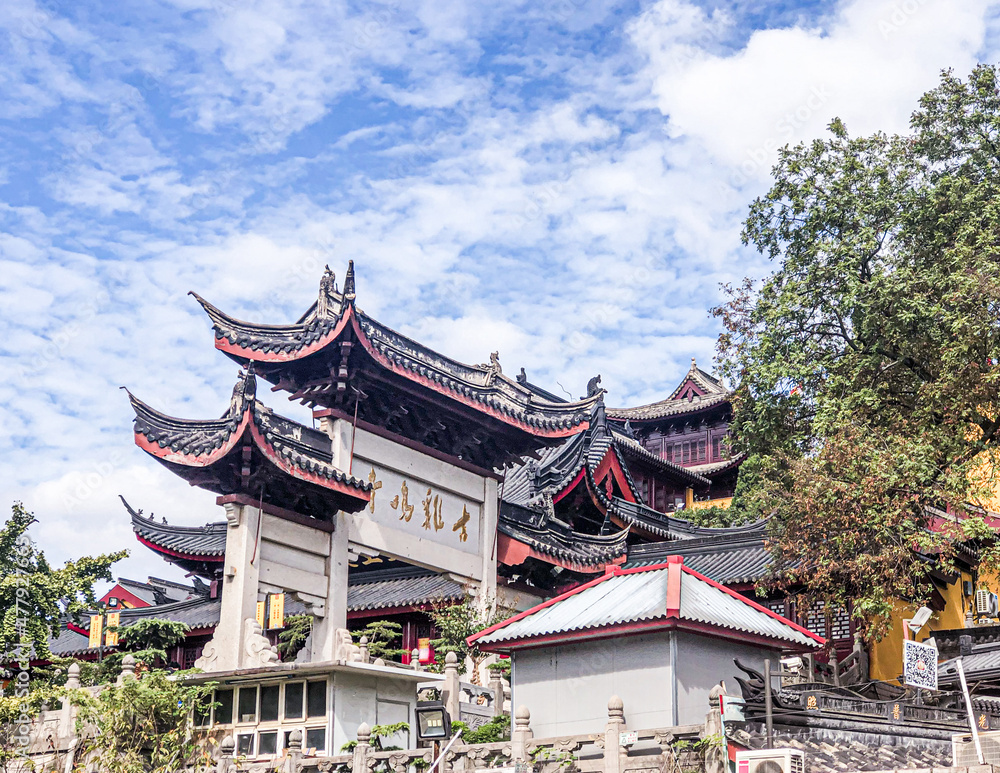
(698, 391)
(338, 358)
(408, 587)
(197, 549)
(252, 451)
(732, 556)
(544, 536)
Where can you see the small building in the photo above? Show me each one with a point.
(660, 637)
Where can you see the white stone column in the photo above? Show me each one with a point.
(324, 634)
(488, 587)
(241, 576)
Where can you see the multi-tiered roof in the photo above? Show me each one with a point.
(338, 360)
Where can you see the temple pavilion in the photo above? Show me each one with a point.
(422, 481)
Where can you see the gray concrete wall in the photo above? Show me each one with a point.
(567, 687)
(359, 698)
(701, 663)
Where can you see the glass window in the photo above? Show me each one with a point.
(316, 699)
(701, 450)
(316, 738)
(224, 707)
(202, 712)
(269, 703)
(244, 745)
(293, 700)
(267, 743)
(247, 705)
(715, 449)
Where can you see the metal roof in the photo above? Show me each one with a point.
(639, 595)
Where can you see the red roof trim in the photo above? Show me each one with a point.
(475, 404)
(297, 472)
(568, 488)
(188, 460)
(610, 571)
(257, 355)
(759, 607)
(513, 552)
(175, 554)
(615, 631)
(613, 571)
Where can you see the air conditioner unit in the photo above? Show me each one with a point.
(771, 761)
(986, 603)
(963, 749)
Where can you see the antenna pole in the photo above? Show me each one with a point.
(768, 708)
(972, 716)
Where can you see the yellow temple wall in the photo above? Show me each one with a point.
(886, 656)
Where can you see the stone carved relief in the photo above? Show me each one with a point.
(344, 647)
(256, 647)
(209, 656)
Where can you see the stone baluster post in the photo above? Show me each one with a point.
(835, 666)
(293, 757)
(612, 736)
(67, 724)
(415, 659)
(128, 669)
(363, 647)
(360, 763)
(452, 686)
(226, 750)
(716, 757)
(496, 684)
(520, 735)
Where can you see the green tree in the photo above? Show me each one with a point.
(142, 725)
(293, 637)
(383, 639)
(866, 366)
(35, 597)
(455, 624)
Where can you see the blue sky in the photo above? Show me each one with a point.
(561, 181)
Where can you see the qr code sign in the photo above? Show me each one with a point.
(920, 665)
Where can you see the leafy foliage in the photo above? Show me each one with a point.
(293, 637)
(866, 365)
(382, 637)
(497, 729)
(455, 624)
(36, 597)
(150, 639)
(141, 726)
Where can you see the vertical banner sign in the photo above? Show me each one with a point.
(920, 665)
(111, 637)
(260, 613)
(96, 629)
(424, 648)
(277, 616)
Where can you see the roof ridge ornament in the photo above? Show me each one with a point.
(327, 287)
(350, 291)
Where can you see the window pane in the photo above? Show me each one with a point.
(247, 705)
(316, 699)
(224, 709)
(268, 743)
(269, 703)
(293, 700)
(244, 745)
(316, 738)
(201, 713)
